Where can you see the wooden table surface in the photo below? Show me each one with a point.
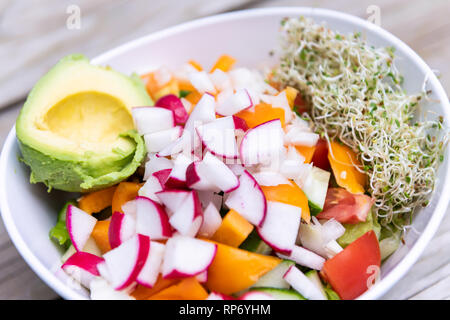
(34, 35)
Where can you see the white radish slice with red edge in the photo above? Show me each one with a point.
(181, 144)
(302, 284)
(270, 178)
(211, 221)
(201, 81)
(202, 277)
(177, 177)
(162, 176)
(299, 137)
(280, 226)
(126, 261)
(82, 266)
(221, 80)
(150, 271)
(172, 198)
(150, 188)
(256, 295)
(249, 200)
(157, 141)
(187, 257)
(172, 102)
(204, 112)
(129, 208)
(152, 119)
(219, 174)
(236, 102)
(219, 137)
(151, 219)
(79, 225)
(263, 144)
(196, 177)
(156, 163)
(121, 228)
(188, 218)
(239, 123)
(305, 258)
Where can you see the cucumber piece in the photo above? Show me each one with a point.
(280, 294)
(274, 278)
(315, 188)
(255, 244)
(313, 275)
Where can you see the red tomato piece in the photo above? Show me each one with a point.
(320, 157)
(345, 207)
(352, 271)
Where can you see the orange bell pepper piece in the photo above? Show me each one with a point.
(186, 289)
(224, 63)
(291, 94)
(307, 152)
(262, 112)
(193, 97)
(196, 65)
(343, 162)
(96, 201)
(100, 235)
(143, 293)
(233, 230)
(126, 191)
(289, 194)
(234, 269)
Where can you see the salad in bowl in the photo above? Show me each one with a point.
(292, 181)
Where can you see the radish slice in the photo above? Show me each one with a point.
(156, 164)
(188, 218)
(129, 208)
(305, 258)
(234, 103)
(239, 123)
(248, 199)
(151, 219)
(219, 138)
(82, 266)
(219, 174)
(150, 271)
(177, 177)
(182, 144)
(221, 80)
(211, 221)
(121, 228)
(196, 178)
(302, 284)
(172, 102)
(162, 176)
(201, 81)
(270, 178)
(280, 226)
(204, 112)
(263, 144)
(237, 169)
(150, 188)
(126, 261)
(152, 119)
(79, 225)
(299, 137)
(172, 199)
(157, 141)
(202, 277)
(187, 257)
(218, 296)
(256, 295)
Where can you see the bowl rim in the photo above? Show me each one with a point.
(379, 288)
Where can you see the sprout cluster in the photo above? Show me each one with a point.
(355, 94)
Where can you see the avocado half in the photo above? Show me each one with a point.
(75, 130)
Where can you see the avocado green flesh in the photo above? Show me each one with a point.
(75, 130)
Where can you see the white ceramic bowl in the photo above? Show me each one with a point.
(29, 211)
